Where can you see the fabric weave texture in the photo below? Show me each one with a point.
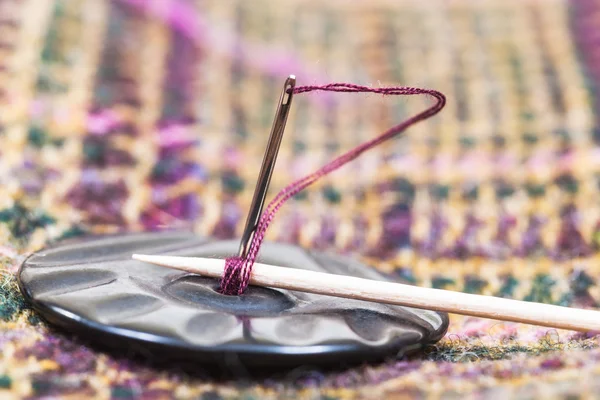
(131, 115)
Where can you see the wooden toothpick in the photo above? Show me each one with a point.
(394, 293)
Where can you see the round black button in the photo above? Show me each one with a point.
(94, 288)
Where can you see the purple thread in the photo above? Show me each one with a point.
(236, 275)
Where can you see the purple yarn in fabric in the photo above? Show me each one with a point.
(183, 17)
(237, 270)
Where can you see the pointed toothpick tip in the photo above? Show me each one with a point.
(203, 266)
(152, 259)
(139, 257)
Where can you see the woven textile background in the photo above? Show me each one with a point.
(137, 114)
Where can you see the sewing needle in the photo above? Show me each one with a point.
(268, 164)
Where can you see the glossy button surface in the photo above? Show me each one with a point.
(94, 288)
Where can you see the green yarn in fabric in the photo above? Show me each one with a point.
(440, 282)
(5, 382)
(541, 289)
(22, 222)
(332, 194)
(72, 232)
(233, 183)
(11, 301)
(508, 287)
(474, 284)
(121, 392)
(460, 351)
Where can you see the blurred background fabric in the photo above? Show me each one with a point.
(129, 115)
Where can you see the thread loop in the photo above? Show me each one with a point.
(236, 275)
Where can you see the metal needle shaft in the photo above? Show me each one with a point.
(268, 164)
